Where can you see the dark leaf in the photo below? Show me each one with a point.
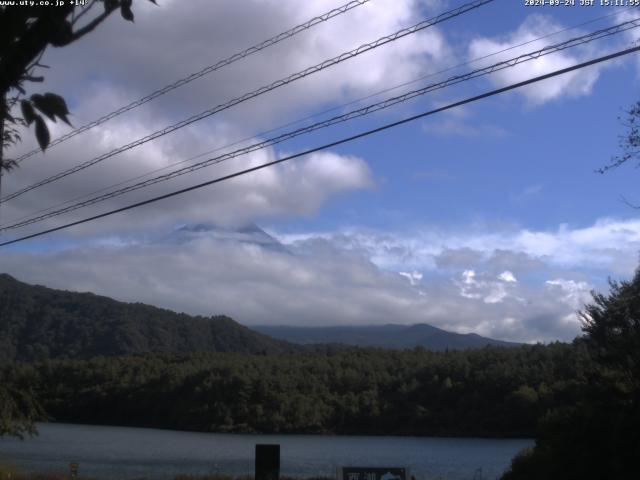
(52, 106)
(28, 113)
(41, 104)
(61, 32)
(57, 101)
(38, 79)
(9, 164)
(154, 2)
(42, 133)
(65, 120)
(110, 5)
(59, 106)
(125, 11)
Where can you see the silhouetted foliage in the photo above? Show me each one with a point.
(107, 362)
(630, 141)
(19, 409)
(612, 325)
(483, 392)
(598, 436)
(25, 33)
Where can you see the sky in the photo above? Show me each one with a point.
(487, 218)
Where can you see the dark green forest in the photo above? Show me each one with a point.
(596, 436)
(79, 357)
(485, 392)
(38, 323)
(581, 401)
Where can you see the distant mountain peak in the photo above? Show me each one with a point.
(386, 336)
(249, 234)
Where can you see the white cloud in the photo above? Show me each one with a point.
(502, 281)
(489, 282)
(576, 294)
(573, 84)
(170, 41)
(488, 289)
(468, 277)
(507, 276)
(627, 15)
(413, 277)
(497, 295)
(295, 188)
(631, 36)
(514, 280)
(314, 283)
(608, 245)
(120, 62)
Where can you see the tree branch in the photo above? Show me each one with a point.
(93, 24)
(84, 12)
(30, 78)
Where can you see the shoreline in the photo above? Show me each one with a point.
(290, 434)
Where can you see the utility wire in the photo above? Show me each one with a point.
(279, 83)
(205, 71)
(315, 115)
(333, 144)
(338, 119)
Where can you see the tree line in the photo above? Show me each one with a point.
(498, 392)
(597, 435)
(581, 401)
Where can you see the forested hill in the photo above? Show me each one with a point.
(385, 336)
(481, 392)
(37, 323)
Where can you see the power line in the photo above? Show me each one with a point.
(318, 114)
(205, 71)
(279, 83)
(340, 119)
(333, 144)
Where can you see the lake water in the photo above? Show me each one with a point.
(126, 453)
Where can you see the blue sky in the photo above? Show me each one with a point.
(487, 218)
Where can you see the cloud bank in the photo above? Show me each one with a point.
(574, 84)
(501, 284)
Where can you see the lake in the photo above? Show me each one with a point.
(127, 453)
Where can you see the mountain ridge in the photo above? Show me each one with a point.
(38, 322)
(386, 336)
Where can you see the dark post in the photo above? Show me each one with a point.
(73, 466)
(267, 462)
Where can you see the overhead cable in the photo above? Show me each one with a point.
(622, 27)
(317, 114)
(332, 144)
(205, 71)
(279, 83)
